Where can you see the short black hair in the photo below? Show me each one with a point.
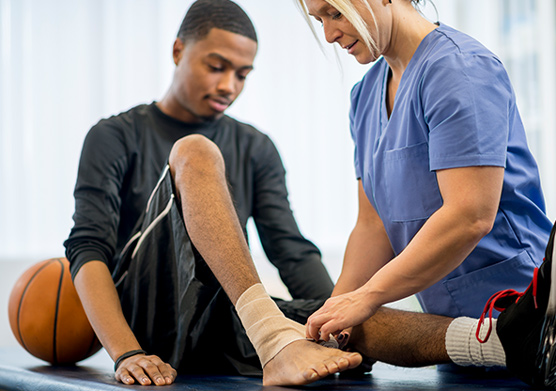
(205, 15)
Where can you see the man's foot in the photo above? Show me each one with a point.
(361, 371)
(304, 362)
(526, 326)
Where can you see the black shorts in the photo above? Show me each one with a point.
(174, 304)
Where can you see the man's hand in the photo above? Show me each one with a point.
(146, 370)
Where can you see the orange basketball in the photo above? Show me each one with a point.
(46, 315)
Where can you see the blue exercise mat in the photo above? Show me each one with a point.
(20, 371)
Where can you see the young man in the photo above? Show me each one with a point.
(163, 195)
(158, 250)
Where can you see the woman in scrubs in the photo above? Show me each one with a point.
(450, 201)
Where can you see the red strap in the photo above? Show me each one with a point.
(535, 275)
(491, 305)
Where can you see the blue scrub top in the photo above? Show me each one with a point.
(455, 107)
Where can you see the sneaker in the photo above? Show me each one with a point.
(527, 325)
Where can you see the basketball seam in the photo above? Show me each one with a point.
(21, 303)
(54, 347)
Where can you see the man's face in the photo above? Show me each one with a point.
(211, 73)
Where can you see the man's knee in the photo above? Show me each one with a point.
(195, 151)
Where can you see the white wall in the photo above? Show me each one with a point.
(64, 64)
(65, 67)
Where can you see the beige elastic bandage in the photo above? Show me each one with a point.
(267, 328)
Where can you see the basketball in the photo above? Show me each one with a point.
(46, 315)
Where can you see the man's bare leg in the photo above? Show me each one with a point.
(403, 338)
(198, 170)
(197, 167)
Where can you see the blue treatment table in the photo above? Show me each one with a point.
(20, 371)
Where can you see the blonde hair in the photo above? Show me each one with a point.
(350, 12)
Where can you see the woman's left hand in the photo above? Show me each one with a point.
(339, 313)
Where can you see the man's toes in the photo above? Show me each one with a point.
(354, 360)
(310, 375)
(342, 363)
(322, 369)
(333, 366)
(346, 362)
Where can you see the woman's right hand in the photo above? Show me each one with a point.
(146, 370)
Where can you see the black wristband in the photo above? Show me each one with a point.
(127, 355)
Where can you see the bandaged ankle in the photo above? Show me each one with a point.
(267, 328)
(464, 349)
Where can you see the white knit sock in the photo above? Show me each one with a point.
(267, 328)
(464, 349)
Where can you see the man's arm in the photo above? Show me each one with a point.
(298, 260)
(100, 300)
(91, 245)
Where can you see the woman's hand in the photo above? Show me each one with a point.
(339, 313)
(343, 337)
(146, 370)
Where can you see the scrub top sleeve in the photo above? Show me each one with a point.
(355, 92)
(96, 218)
(466, 102)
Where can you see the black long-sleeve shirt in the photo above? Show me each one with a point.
(122, 159)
